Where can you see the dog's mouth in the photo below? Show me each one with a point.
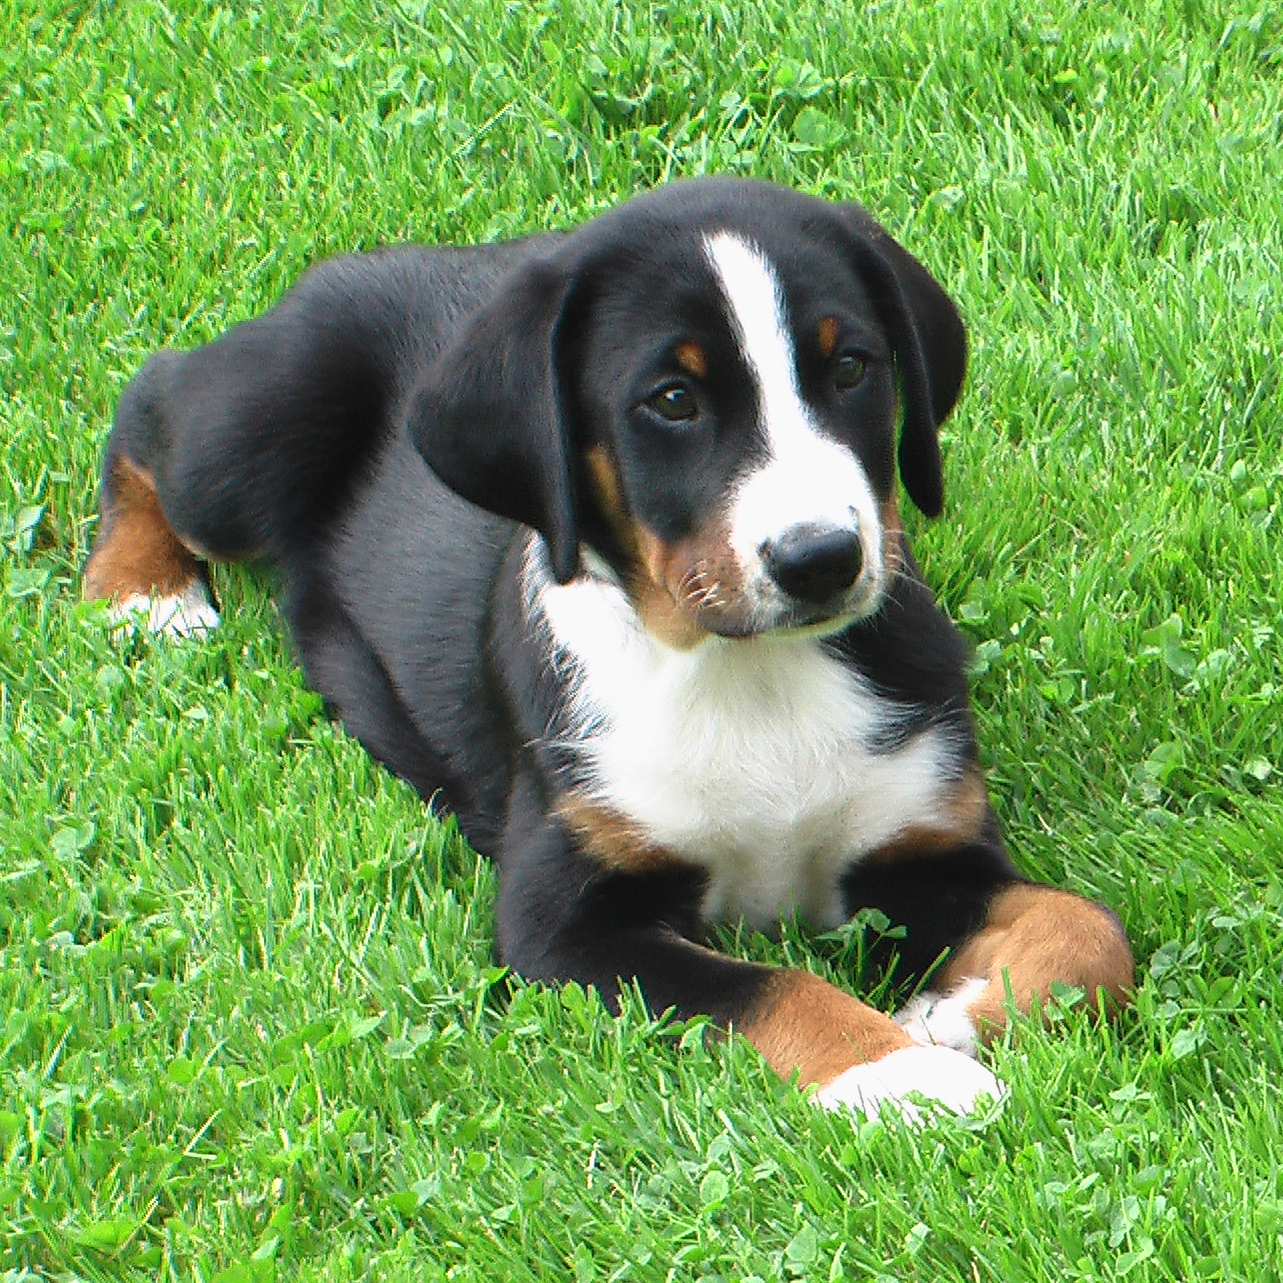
(685, 592)
(814, 582)
(792, 619)
(712, 596)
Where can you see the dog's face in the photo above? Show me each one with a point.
(741, 415)
(700, 389)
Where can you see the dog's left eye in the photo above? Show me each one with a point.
(848, 371)
(674, 402)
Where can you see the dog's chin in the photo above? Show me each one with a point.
(794, 619)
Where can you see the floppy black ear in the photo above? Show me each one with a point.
(489, 416)
(930, 344)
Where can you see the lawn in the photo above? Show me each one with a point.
(250, 1028)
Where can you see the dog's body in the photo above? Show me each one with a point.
(648, 623)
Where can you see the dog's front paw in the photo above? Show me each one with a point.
(943, 1019)
(939, 1076)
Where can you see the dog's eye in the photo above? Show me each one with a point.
(848, 371)
(674, 402)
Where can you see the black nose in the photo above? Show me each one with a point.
(814, 565)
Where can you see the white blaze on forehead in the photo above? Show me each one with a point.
(806, 478)
(752, 292)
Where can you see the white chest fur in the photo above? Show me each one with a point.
(753, 759)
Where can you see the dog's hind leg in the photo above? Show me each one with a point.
(138, 561)
(246, 447)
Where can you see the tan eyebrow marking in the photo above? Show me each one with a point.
(690, 356)
(828, 335)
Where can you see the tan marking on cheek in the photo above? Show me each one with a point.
(1033, 937)
(690, 356)
(828, 335)
(136, 551)
(682, 588)
(962, 819)
(670, 585)
(890, 514)
(609, 492)
(805, 1024)
(663, 587)
(664, 613)
(611, 838)
(893, 540)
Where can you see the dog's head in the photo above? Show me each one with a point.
(701, 389)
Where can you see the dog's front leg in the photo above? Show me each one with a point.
(1033, 941)
(562, 916)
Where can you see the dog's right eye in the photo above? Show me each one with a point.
(674, 402)
(848, 371)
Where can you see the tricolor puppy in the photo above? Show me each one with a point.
(593, 538)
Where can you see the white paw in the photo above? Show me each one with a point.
(944, 1078)
(941, 1020)
(184, 614)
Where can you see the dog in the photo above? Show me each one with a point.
(593, 538)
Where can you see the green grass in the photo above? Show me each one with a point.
(249, 1028)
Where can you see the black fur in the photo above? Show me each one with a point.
(300, 437)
